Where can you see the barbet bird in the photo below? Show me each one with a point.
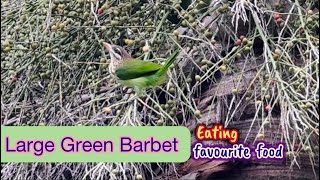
(136, 73)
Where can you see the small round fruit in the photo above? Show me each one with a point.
(191, 19)
(258, 102)
(54, 27)
(277, 16)
(159, 123)
(7, 49)
(103, 28)
(177, 6)
(103, 60)
(204, 67)
(278, 51)
(146, 48)
(290, 44)
(267, 108)
(310, 12)
(260, 136)
(307, 148)
(171, 85)
(247, 50)
(34, 45)
(139, 177)
(197, 78)
(267, 97)
(176, 32)
(100, 11)
(114, 23)
(186, 16)
(223, 67)
(172, 90)
(42, 124)
(48, 55)
(47, 49)
(115, 171)
(184, 23)
(107, 110)
(62, 25)
(197, 113)
(276, 57)
(226, 61)
(130, 42)
(6, 43)
(308, 104)
(238, 42)
(86, 14)
(235, 91)
(279, 21)
(170, 102)
(245, 41)
(172, 113)
(208, 34)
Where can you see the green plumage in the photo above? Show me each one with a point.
(141, 74)
(136, 68)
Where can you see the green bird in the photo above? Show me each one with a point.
(136, 73)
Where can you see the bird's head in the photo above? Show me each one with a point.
(117, 54)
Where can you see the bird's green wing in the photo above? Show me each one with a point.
(136, 68)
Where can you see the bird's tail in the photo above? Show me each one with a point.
(168, 63)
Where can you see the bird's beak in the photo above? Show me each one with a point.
(107, 46)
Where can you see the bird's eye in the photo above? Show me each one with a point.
(117, 51)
